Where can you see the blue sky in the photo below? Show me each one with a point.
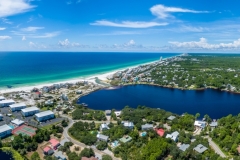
(120, 25)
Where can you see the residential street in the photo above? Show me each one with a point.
(215, 147)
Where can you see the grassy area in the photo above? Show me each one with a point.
(14, 153)
(50, 125)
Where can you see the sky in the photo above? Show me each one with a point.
(120, 25)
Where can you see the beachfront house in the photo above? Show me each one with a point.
(200, 148)
(17, 106)
(108, 112)
(128, 124)
(102, 137)
(170, 118)
(118, 113)
(6, 103)
(2, 98)
(200, 124)
(17, 122)
(29, 111)
(43, 116)
(5, 130)
(147, 126)
(213, 124)
(173, 136)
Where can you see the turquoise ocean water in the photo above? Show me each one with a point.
(19, 69)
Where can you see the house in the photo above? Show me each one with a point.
(48, 150)
(171, 118)
(59, 155)
(5, 130)
(17, 106)
(213, 124)
(118, 113)
(62, 142)
(91, 158)
(17, 122)
(2, 98)
(160, 132)
(54, 143)
(6, 103)
(108, 112)
(173, 136)
(200, 148)
(184, 147)
(125, 139)
(102, 137)
(147, 126)
(200, 124)
(1, 117)
(43, 116)
(49, 102)
(64, 97)
(128, 124)
(29, 111)
(104, 126)
(36, 95)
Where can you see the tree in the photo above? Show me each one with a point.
(197, 115)
(35, 156)
(86, 152)
(106, 157)
(101, 145)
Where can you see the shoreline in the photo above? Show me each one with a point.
(90, 78)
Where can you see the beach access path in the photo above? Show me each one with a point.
(66, 135)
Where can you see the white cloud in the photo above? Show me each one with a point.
(5, 37)
(12, 7)
(1, 29)
(64, 43)
(163, 12)
(67, 43)
(23, 38)
(130, 43)
(5, 20)
(203, 44)
(46, 35)
(128, 24)
(31, 44)
(31, 29)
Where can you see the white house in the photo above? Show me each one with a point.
(102, 137)
(17, 122)
(173, 136)
(6, 103)
(17, 106)
(200, 124)
(29, 111)
(43, 116)
(104, 126)
(128, 124)
(5, 130)
(118, 113)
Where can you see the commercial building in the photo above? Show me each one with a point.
(6, 103)
(43, 116)
(17, 106)
(29, 111)
(5, 130)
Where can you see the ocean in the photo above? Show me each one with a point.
(18, 69)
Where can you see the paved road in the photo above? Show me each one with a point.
(65, 133)
(215, 147)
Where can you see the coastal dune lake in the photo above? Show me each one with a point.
(215, 103)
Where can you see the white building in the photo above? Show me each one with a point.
(200, 124)
(17, 122)
(5, 130)
(43, 116)
(173, 136)
(17, 106)
(128, 124)
(118, 113)
(1, 117)
(6, 103)
(29, 111)
(2, 98)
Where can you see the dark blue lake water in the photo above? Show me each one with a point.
(212, 102)
(5, 156)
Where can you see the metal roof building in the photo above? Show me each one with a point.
(29, 111)
(6, 103)
(5, 130)
(43, 116)
(18, 122)
(2, 98)
(200, 148)
(17, 106)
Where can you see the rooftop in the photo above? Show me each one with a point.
(2, 98)
(125, 139)
(17, 105)
(7, 101)
(147, 126)
(46, 149)
(200, 148)
(160, 132)
(59, 154)
(171, 118)
(101, 136)
(29, 109)
(4, 128)
(45, 113)
(184, 147)
(17, 121)
(213, 124)
(54, 142)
